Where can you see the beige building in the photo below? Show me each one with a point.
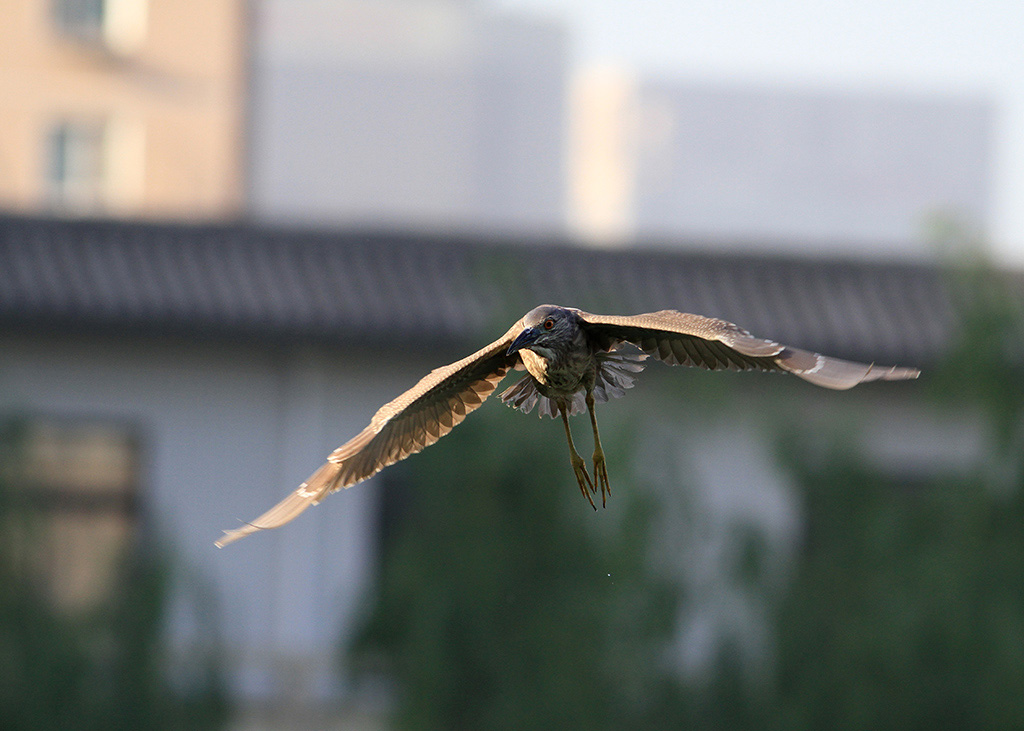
(124, 107)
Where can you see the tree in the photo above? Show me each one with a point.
(505, 603)
(906, 610)
(100, 669)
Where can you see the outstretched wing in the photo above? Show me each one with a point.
(414, 420)
(679, 338)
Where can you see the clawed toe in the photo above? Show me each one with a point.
(586, 484)
(601, 477)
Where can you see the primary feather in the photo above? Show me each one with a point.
(579, 355)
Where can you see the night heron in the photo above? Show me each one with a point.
(573, 360)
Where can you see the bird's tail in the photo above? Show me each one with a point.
(616, 372)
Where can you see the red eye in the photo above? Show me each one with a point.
(549, 323)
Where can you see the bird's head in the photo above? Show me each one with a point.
(546, 329)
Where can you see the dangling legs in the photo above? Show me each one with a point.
(600, 468)
(579, 467)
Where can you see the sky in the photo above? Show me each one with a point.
(943, 47)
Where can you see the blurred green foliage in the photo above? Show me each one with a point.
(104, 668)
(907, 608)
(504, 604)
(904, 608)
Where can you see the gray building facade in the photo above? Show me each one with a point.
(424, 114)
(781, 169)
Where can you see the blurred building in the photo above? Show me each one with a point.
(124, 107)
(424, 114)
(173, 379)
(754, 168)
(448, 115)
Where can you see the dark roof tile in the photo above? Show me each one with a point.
(254, 281)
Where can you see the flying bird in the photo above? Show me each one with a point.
(573, 360)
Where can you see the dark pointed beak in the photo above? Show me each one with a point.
(525, 339)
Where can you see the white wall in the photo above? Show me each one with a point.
(227, 431)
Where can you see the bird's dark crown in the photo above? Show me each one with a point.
(539, 315)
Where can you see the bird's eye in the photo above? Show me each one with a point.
(549, 323)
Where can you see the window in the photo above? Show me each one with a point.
(76, 166)
(96, 165)
(80, 18)
(118, 26)
(75, 487)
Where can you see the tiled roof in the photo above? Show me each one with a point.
(250, 281)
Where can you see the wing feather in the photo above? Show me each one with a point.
(404, 426)
(443, 398)
(680, 338)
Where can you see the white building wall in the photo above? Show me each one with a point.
(227, 431)
(230, 428)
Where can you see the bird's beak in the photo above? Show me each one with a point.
(525, 339)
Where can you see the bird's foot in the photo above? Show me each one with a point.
(583, 478)
(601, 476)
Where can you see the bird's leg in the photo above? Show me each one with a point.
(579, 467)
(600, 467)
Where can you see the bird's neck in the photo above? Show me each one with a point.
(536, 364)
